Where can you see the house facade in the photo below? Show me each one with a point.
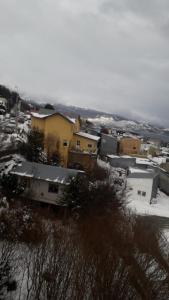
(62, 134)
(85, 142)
(142, 184)
(129, 145)
(43, 183)
(58, 133)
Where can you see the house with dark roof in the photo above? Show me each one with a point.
(43, 183)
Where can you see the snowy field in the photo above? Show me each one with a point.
(159, 207)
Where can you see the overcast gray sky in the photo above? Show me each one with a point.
(112, 55)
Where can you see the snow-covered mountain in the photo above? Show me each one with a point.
(123, 123)
(106, 119)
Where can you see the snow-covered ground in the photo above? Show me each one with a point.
(159, 207)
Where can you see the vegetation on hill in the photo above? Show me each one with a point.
(49, 106)
(110, 255)
(32, 150)
(12, 98)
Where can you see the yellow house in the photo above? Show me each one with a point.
(58, 132)
(85, 142)
(129, 145)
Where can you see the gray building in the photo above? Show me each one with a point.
(123, 162)
(43, 182)
(108, 145)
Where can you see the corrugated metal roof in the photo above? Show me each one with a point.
(44, 172)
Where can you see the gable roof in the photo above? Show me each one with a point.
(45, 113)
(44, 172)
(88, 136)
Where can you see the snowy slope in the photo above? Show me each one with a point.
(160, 206)
(121, 124)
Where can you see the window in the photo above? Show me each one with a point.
(78, 143)
(134, 148)
(65, 143)
(53, 188)
(139, 192)
(89, 145)
(143, 194)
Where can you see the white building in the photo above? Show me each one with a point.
(43, 183)
(142, 184)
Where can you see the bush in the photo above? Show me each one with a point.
(22, 225)
(87, 197)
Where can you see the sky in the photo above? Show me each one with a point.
(111, 55)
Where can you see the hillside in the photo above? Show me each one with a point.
(98, 118)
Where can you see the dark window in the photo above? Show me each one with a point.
(139, 192)
(53, 188)
(143, 194)
(89, 145)
(78, 143)
(134, 148)
(65, 143)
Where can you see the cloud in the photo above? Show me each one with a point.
(104, 54)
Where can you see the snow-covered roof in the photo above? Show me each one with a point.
(88, 136)
(44, 172)
(137, 170)
(141, 173)
(144, 161)
(37, 115)
(113, 156)
(47, 113)
(122, 156)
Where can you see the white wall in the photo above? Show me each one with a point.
(38, 190)
(139, 184)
